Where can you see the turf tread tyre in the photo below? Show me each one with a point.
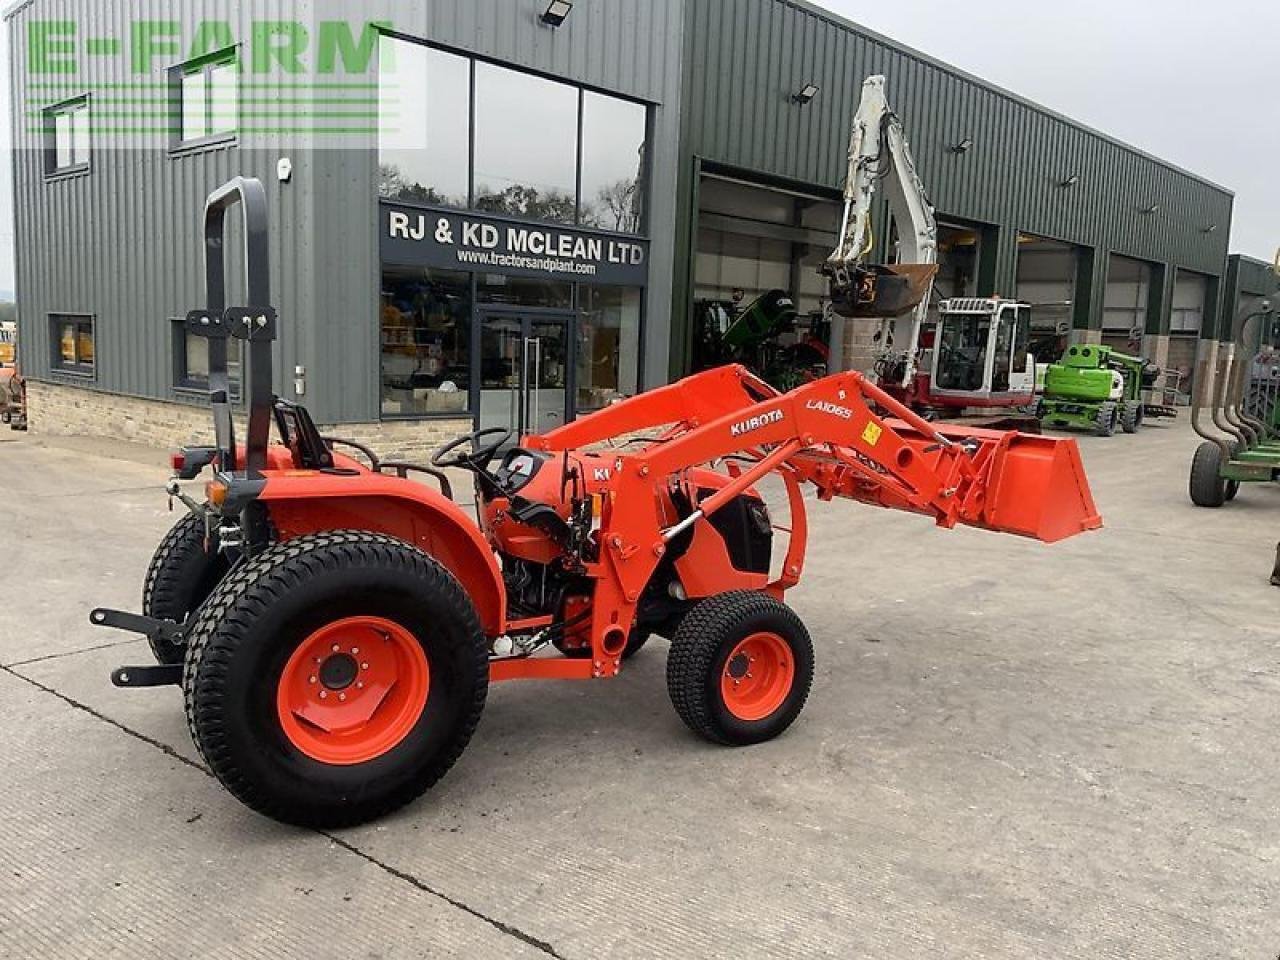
(698, 649)
(180, 577)
(250, 590)
(1206, 486)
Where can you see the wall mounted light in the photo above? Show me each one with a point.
(806, 94)
(963, 146)
(1147, 211)
(1211, 228)
(1071, 181)
(556, 13)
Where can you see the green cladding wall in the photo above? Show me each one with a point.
(745, 58)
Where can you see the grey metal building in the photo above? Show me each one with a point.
(506, 211)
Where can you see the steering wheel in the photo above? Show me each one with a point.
(481, 453)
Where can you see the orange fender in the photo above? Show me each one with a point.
(311, 502)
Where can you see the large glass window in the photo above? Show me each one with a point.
(426, 341)
(613, 158)
(424, 110)
(608, 345)
(499, 289)
(526, 144)
(459, 132)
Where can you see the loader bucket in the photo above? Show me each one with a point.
(1037, 488)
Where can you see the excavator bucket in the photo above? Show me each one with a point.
(1036, 487)
(883, 291)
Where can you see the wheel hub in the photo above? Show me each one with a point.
(338, 671)
(758, 675)
(353, 689)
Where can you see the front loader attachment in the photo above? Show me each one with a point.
(1025, 484)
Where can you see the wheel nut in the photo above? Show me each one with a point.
(364, 666)
(323, 694)
(311, 680)
(342, 696)
(336, 648)
(355, 651)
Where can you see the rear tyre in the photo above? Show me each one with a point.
(335, 677)
(1106, 419)
(180, 578)
(1131, 417)
(1207, 487)
(740, 668)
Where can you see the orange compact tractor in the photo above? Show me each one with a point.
(335, 624)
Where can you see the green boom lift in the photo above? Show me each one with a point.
(1095, 387)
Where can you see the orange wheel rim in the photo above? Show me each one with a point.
(757, 676)
(353, 689)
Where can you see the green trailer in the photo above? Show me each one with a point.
(1095, 387)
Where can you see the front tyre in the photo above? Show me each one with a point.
(740, 668)
(334, 678)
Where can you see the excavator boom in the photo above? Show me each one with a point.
(880, 156)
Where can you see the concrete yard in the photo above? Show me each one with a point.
(1011, 750)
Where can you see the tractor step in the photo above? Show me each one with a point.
(153, 675)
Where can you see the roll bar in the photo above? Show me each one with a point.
(254, 323)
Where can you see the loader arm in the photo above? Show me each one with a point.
(677, 406)
(829, 434)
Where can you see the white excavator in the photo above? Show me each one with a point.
(975, 353)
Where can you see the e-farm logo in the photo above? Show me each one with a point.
(291, 76)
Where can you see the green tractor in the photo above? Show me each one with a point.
(1095, 387)
(767, 336)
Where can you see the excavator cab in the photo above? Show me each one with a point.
(980, 350)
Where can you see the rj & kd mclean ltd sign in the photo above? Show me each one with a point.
(457, 240)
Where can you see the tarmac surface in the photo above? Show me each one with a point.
(1011, 750)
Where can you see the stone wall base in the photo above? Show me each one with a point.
(67, 410)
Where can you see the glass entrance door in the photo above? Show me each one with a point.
(524, 373)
